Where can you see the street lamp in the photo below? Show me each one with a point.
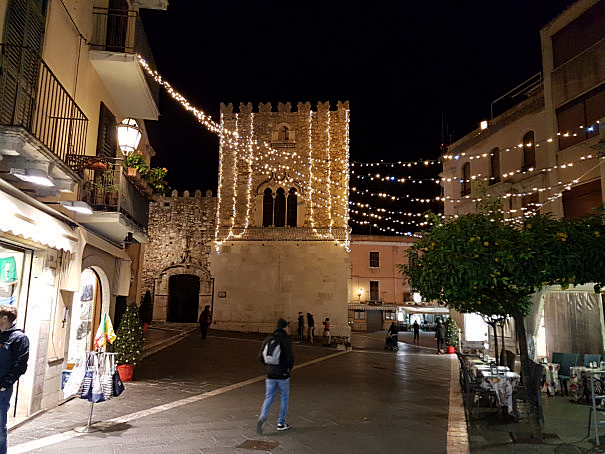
(359, 293)
(129, 135)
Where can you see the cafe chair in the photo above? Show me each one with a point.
(510, 360)
(597, 388)
(473, 392)
(591, 358)
(568, 361)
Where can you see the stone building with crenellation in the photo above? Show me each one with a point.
(282, 236)
(175, 270)
(275, 240)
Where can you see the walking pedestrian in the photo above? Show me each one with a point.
(440, 336)
(205, 320)
(416, 328)
(326, 324)
(277, 356)
(311, 326)
(14, 353)
(301, 326)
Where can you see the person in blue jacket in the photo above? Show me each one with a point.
(14, 353)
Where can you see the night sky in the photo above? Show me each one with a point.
(406, 68)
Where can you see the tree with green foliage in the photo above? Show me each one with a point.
(481, 263)
(128, 345)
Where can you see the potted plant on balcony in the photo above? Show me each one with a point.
(136, 167)
(128, 345)
(155, 178)
(451, 335)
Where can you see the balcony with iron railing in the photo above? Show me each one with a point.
(120, 33)
(39, 120)
(107, 188)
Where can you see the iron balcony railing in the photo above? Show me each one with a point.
(32, 97)
(107, 188)
(122, 31)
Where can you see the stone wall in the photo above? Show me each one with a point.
(181, 230)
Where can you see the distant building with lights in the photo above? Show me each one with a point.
(545, 155)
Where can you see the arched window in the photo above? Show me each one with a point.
(494, 166)
(292, 203)
(279, 219)
(466, 179)
(284, 133)
(529, 151)
(267, 208)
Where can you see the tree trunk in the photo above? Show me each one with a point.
(495, 342)
(530, 381)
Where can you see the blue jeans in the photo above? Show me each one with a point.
(284, 394)
(5, 398)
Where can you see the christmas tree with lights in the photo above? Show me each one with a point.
(128, 345)
(451, 333)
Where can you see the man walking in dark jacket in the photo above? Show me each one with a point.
(278, 374)
(14, 353)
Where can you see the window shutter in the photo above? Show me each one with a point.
(107, 141)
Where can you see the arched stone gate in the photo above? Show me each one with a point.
(179, 303)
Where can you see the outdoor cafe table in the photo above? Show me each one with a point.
(577, 385)
(503, 384)
(550, 376)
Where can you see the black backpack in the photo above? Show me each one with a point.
(271, 350)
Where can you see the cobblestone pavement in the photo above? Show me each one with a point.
(204, 397)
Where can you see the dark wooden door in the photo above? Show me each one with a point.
(183, 298)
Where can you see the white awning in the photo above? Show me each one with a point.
(440, 310)
(23, 220)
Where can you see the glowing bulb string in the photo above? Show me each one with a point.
(530, 171)
(520, 146)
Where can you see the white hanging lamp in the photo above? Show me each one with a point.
(129, 136)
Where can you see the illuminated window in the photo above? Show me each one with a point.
(267, 208)
(284, 133)
(374, 293)
(278, 209)
(466, 179)
(292, 207)
(529, 151)
(494, 167)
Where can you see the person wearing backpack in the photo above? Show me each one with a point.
(277, 356)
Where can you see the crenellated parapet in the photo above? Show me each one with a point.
(227, 110)
(298, 157)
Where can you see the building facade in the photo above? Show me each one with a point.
(68, 76)
(545, 156)
(176, 267)
(281, 239)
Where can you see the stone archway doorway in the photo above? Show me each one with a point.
(183, 298)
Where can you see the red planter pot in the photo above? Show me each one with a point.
(451, 349)
(125, 371)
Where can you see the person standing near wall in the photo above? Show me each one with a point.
(14, 353)
(205, 320)
(326, 323)
(416, 328)
(310, 326)
(301, 326)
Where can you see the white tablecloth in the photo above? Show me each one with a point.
(503, 385)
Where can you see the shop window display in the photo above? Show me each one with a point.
(83, 310)
(11, 271)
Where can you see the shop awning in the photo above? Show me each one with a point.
(438, 310)
(23, 220)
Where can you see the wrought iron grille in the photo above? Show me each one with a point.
(32, 97)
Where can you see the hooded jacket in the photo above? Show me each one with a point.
(14, 353)
(286, 360)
